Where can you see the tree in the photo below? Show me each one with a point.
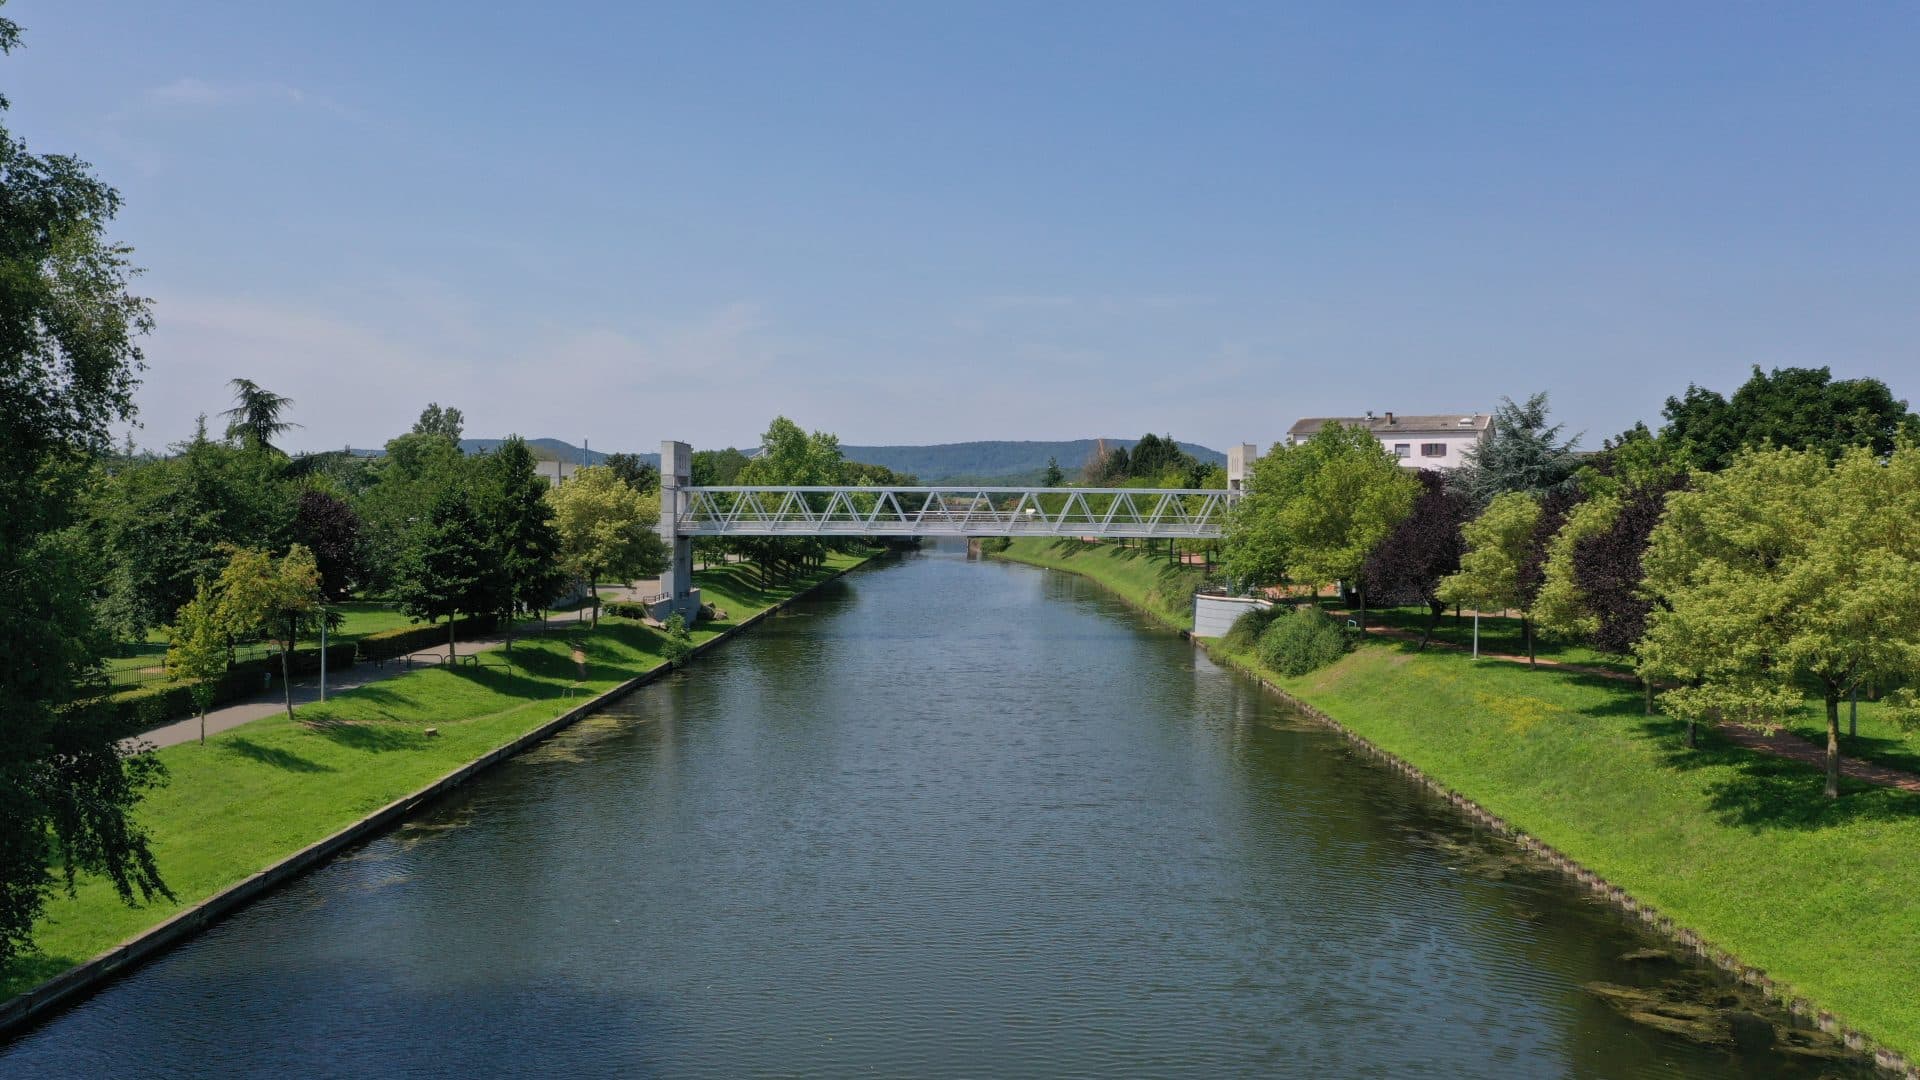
(197, 649)
(1406, 566)
(1523, 454)
(276, 598)
(641, 476)
(1318, 509)
(1561, 605)
(606, 527)
(255, 419)
(1055, 476)
(1607, 568)
(513, 508)
(446, 423)
(1785, 570)
(444, 573)
(715, 468)
(1498, 543)
(1798, 408)
(68, 367)
(328, 527)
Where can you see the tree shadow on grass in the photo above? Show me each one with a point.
(30, 970)
(268, 755)
(1763, 791)
(371, 738)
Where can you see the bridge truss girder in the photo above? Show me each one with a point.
(1181, 513)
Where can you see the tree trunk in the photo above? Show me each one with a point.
(203, 727)
(1361, 595)
(1693, 736)
(594, 587)
(1434, 611)
(1833, 744)
(450, 654)
(509, 621)
(286, 680)
(1647, 686)
(1853, 712)
(1526, 627)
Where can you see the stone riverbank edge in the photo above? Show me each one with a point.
(1885, 1058)
(31, 1006)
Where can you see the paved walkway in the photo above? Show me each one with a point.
(1780, 743)
(306, 689)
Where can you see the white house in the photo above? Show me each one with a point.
(1420, 442)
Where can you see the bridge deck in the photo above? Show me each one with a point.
(1185, 513)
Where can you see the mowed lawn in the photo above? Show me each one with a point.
(144, 661)
(1739, 847)
(261, 791)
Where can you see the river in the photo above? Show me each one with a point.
(943, 818)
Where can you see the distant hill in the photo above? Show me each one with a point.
(981, 462)
(546, 450)
(992, 461)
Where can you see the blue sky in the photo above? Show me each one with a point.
(939, 222)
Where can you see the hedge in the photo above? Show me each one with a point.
(388, 644)
(149, 706)
(626, 609)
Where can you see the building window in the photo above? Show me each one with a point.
(1402, 450)
(1433, 449)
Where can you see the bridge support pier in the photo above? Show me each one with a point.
(676, 582)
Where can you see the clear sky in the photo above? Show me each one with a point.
(912, 222)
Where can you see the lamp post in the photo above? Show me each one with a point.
(323, 652)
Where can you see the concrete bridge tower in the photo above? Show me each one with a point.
(676, 583)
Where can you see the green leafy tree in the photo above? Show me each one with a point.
(1055, 476)
(1561, 606)
(713, 468)
(514, 510)
(1499, 543)
(1796, 408)
(256, 417)
(197, 649)
(274, 598)
(641, 476)
(606, 528)
(444, 422)
(445, 573)
(1782, 571)
(68, 367)
(412, 475)
(1315, 511)
(1524, 454)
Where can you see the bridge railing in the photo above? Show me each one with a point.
(1192, 513)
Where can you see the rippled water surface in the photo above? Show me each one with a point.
(945, 819)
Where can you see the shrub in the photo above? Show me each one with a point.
(679, 643)
(1301, 642)
(996, 543)
(626, 609)
(1246, 630)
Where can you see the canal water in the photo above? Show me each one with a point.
(945, 818)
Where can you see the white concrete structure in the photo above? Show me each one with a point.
(1214, 615)
(1240, 461)
(1419, 442)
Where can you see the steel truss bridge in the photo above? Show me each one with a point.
(1183, 513)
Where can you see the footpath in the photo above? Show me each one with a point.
(306, 689)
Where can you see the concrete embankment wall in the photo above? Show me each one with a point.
(33, 1005)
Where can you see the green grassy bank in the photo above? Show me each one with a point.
(257, 793)
(1738, 847)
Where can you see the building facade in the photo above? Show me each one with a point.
(1437, 441)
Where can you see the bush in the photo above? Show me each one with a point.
(626, 609)
(1301, 642)
(1247, 629)
(679, 643)
(995, 543)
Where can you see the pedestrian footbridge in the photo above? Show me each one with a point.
(1155, 513)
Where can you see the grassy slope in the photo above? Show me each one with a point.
(259, 792)
(1738, 847)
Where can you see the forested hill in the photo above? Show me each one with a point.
(966, 462)
(1014, 462)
